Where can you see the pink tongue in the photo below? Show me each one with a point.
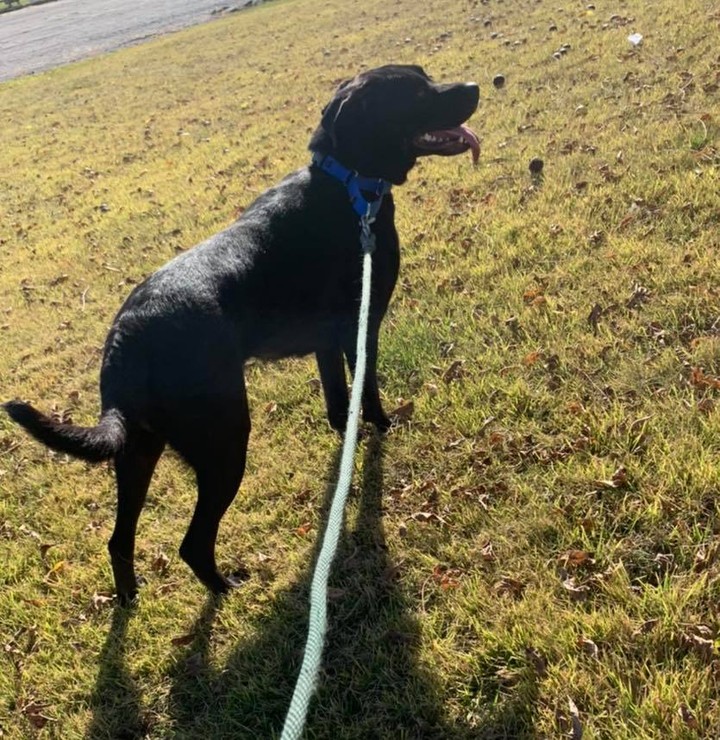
(469, 135)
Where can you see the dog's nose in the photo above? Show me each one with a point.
(473, 89)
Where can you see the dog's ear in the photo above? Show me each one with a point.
(335, 112)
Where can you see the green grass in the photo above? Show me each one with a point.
(541, 535)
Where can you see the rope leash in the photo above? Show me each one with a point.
(317, 627)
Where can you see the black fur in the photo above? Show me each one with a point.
(283, 280)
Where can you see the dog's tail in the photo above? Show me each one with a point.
(88, 443)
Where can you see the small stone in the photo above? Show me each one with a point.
(499, 81)
(536, 165)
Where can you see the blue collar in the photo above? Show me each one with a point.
(355, 184)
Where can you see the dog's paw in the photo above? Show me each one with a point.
(127, 599)
(338, 422)
(379, 419)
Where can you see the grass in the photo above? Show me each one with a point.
(7, 5)
(535, 552)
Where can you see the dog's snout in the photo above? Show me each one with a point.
(472, 90)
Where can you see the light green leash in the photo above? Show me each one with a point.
(307, 680)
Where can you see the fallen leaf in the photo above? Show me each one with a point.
(404, 412)
(36, 713)
(303, 529)
(160, 564)
(427, 516)
(510, 586)
(101, 599)
(706, 406)
(700, 380)
(454, 372)
(183, 639)
(594, 317)
(487, 553)
(446, 577)
(576, 591)
(618, 480)
(576, 558)
(531, 295)
(537, 660)
(647, 626)
(577, 730)
(588, 646)
(54, 573)
(688, 717)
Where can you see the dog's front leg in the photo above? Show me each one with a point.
(371, 404)
(332, 375)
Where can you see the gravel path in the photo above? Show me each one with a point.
(39, 37)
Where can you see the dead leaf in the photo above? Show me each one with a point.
(446, 577)
(688, 717)
(619, 479)
(577, 591)
(53, 575)
(537, 660)
(588, 646)
(454, 372)
(577, 730)
(160, 564)
(703, 647)
(531, 295)
(183, 639)
(700, 380)
(639, 296)
(706, 406)
(647, 626)
(36, 713)
(101, 599)
(487, 553)
(404, 412)
(531, 358)
(428, 516)
(576, 559)
(510, 586)
(303, 529)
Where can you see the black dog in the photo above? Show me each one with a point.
(283, 280)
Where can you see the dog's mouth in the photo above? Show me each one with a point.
(448, 142)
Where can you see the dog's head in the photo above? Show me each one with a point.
(381, 121)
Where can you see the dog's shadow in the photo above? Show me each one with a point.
(372, 685)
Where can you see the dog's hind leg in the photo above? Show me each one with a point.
(216, 448)
(332, 375)
(134, 466)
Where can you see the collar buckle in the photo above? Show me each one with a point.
(355, 184)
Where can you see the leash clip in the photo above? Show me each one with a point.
(367, 238)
